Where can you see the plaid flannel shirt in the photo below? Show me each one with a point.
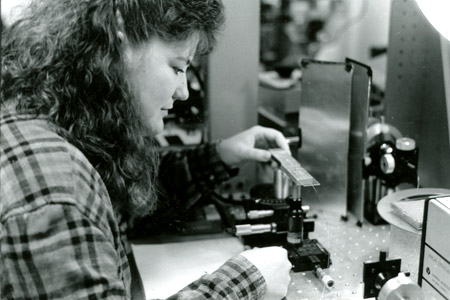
(59, 236)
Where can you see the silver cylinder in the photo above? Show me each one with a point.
(297, 192)
(281, 184)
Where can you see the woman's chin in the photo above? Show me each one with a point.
(155, 128)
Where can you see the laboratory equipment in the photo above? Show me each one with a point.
(391, 160)
(434, 264)
(286, 223)
(383, 280)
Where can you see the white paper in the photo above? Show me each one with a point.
(167, 268)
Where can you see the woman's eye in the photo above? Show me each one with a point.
(178, 70)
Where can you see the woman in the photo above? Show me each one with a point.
(84, 83)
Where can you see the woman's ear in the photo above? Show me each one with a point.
(125, 43)
(121, 28)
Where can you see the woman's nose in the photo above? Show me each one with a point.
(182, 91)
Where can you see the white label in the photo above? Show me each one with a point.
(430, 293)
(436, 271)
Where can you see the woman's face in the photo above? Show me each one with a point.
(156, 71)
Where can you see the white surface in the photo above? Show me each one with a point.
(436, 11)
(405, 239)
(385, 210)
(436, 265)
(167, 268)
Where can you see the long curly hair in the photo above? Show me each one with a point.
(62, 59)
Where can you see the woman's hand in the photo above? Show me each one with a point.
(250, 145)
(274, 265)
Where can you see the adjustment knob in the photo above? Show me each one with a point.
(405, 144)
(387, 163)
(400, 288)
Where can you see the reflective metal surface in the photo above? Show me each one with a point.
(324, 119)
(360, 94)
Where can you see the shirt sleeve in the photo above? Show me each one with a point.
(55, 252)
(58, 234)
(236, 279)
